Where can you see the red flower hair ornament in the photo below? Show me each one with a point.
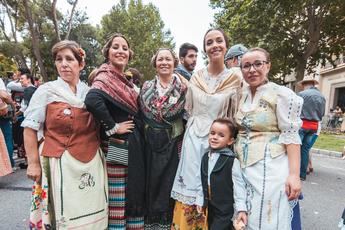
(81, 53)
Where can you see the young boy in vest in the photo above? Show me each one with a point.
(220, 170)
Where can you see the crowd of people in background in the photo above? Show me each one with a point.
(335, 119)
(17, 91)
(214, 148)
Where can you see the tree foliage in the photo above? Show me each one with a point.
(11, 22)
(143, 27)
(39, 25)
(299, 34)
(86, 35)
(6, 65)
(36, 25)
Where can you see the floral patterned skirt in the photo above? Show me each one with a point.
(186, 217)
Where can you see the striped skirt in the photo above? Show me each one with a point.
(117, 180)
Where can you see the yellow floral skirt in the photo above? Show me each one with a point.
(186, 217)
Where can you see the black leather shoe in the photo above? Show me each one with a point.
(23, 165)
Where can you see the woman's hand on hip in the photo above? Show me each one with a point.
(293, 187)
(34, 172)
(125, 127)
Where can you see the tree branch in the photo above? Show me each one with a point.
(71, 19)
(313, 32)
(55, 20)
(35, 40)
(11, 22)
(2, 24)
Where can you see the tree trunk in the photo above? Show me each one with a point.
(20, 59)
(300, 69)
(55, 20)
(314, 33)
(71, 19)
(35, 41)
(10, 20)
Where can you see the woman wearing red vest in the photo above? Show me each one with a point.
(68, 168)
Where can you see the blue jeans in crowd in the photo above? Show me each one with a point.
(307, 139)
(6, 128)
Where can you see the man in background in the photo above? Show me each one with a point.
(338, 116)
(14, 87)
(233, 59)
(188, 54)
(17, 93)
(312, 112)
(234, 55)
(27, 81)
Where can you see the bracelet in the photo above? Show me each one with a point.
(113, 130)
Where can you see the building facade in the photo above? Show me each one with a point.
(332, 84)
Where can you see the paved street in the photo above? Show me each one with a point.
(15, 190)
(324, 194)
(324, 197)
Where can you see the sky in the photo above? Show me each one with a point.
(188, 20)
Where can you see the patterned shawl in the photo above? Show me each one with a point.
(116, 85)
(167, 107)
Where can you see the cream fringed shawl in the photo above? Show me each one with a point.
(206, 104)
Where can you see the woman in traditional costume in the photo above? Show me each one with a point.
(162, 103)
(68, 167)
(212, 93)
(268, 146)
(113, 102)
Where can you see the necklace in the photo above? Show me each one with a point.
(164, 86)
(162, 89)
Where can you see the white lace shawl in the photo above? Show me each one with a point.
(54, 91)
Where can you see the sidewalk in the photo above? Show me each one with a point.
(327, 153)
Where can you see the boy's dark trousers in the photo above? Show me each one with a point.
(216, 220)
(219, 195)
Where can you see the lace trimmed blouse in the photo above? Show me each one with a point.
(288, 110)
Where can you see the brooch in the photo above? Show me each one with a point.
(67, 112)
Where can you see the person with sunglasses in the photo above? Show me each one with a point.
(268, 146)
